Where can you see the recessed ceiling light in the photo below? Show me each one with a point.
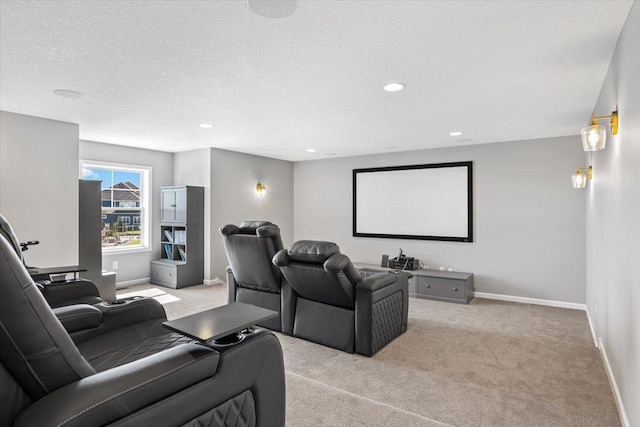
(330, 154)
(273, 9)
(65, 93)
(311, 150)
(205, 125)
(455, 133)
(394, 86)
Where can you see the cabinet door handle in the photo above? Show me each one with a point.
(455, 289)
(427, 286)
(173, 206)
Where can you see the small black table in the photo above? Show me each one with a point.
(221, 325)
(44, 273)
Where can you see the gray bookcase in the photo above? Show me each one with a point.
(181, 235)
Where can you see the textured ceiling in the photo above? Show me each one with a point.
(151, 71)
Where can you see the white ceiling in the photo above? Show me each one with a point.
(152, 71)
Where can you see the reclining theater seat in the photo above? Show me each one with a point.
(46, 381)
(251, 276)
(335, 306)
(57, 294)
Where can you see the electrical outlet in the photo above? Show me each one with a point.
(441, 268)
(450, 269)
(114, 265)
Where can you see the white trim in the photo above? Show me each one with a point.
(142, 281)
(146, 199)
(215, 281)
(593, 330)
(536, 301)
(614, 387)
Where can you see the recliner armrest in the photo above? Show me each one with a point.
(108, 396)
(377, 281)
(78, 316)
(62, 293)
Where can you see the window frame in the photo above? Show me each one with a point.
(145, 202)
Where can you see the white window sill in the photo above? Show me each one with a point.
(125, 251)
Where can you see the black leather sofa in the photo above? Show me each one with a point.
(119, 366)
(335, 306)
(251, 276)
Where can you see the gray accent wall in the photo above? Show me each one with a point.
(39, 186)
(133, 266)
(230, 180)
(233, 197)
(613, 222)
(528, 220)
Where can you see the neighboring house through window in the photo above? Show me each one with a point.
(125, 203)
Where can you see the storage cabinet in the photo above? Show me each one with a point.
(181, 236)
(173, 202)
(438, 285)
(90, 245)
(444, 286)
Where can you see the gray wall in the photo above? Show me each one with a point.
(233, 197)
(528, 226)
(134, 265)
(613, 222)
(39, 186)
(194, 168)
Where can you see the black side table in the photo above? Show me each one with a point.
(221, 325)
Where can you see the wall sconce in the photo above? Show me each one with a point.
(594, 137)
(261, 189)
(579, 179)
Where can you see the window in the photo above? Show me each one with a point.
(125, 204)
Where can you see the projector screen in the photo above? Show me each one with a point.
(428, 202)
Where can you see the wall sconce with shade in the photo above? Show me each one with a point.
(594, 137)
(579, 179)
(261, 189)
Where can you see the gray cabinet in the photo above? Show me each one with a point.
(437, 285)
(89, 242)
(444, 285)
(173, 205)
(181, 236)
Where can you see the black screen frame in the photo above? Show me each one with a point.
(467, 239)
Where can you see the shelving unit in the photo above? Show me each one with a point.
(174, 243)
(181, 236)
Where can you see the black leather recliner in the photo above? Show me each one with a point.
(335, 306)
(57, 294)
(46, 381)
(251, 277)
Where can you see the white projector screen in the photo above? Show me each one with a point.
(429, 202)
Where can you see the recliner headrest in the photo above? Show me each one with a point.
(312, 251)
(250, 227)
(259, 228)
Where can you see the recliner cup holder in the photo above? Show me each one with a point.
(229, 340)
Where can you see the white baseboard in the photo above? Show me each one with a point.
(215, 281)
(593, 330)
(133, 282)
(536, 301)
(614, 387)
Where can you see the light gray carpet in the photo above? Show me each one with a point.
(489, 363)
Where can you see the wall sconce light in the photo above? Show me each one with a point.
(579, 179)
(594, 137)
(261, 189)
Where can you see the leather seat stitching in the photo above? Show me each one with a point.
(126, 391)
